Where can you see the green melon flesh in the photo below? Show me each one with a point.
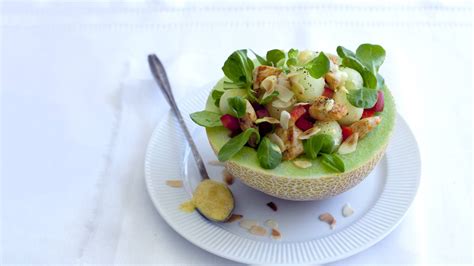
(367, 148)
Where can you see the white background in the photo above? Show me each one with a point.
(78, 107)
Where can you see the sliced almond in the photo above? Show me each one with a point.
(285, 119)
(347, 210)
(296, 87)
(349, 145)
(247, 224)
(268, 84)
(302, 163)
(271, 223)
(267, 119)
(234, 217)
(309, 133)
(328, 218)
(258, 230)
(228, 178)
(281, 104)
(276, 234)
(277, 140)
(284, 94)
(301, 104)
(174, 183)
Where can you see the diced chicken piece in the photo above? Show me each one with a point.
(262, 72)
(293, 145)
(364, 126)
(325, 109)
(333, 80)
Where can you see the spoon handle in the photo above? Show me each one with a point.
(159, 73)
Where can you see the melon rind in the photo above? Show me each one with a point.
(317, 182)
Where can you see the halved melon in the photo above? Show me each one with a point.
(290, 182)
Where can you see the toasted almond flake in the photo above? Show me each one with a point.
(282, 80)
(277, 140)
(228, 178)
(271, 223)
(296, 87)
(349, 145)
(258, 230)
(174, 183)
(284, 94)
(272, 206)
(347, 210)
(216, 163)
(328, 218)
(309, 133)
(302, 163)
(301, 104)
(247, 224)
(276, 234)
(281, 104)
(284, 119)
(267, 119)
(268, 84)
(234, 217)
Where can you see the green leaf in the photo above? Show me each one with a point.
(260, 59)
(370, 80)
(344, 52)
(293, 53)
(237, 106)
(238, 68)
(216, 96)
(362, 98)
(251, 94)
(235, 144)
(367, 61)
(292, 62)
(228, 85)
(274, 56)
(318, 143)
(269, 98)
(268, 154)
(318, 66)
(371, 55)
(333, 161)
(206, 119)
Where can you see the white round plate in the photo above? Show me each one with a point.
(380, 201)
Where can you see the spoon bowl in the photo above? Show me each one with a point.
(212, 199)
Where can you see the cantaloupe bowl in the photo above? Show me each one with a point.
(287, 181)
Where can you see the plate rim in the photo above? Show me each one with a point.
(342, 255)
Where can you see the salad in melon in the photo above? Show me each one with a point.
(300, 125)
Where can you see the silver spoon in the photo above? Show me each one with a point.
(204, 204)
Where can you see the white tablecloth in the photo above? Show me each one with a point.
(78, 107)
